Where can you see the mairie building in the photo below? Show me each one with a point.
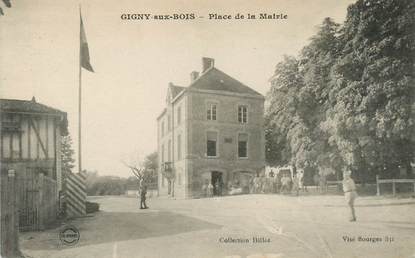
(210, 132)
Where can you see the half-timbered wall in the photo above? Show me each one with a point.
(34, 139)
(28, 137)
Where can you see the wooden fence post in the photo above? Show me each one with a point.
(377, 186)
(393, 187)
(9, 216)
(16, 249)
(42, 212)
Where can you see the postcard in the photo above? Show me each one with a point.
(204, 129)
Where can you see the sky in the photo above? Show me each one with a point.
(134, 60)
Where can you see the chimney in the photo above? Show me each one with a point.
(193, 76)
(207, 63)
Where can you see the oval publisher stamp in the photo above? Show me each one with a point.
(69, 235)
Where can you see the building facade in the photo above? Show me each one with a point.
(31, 136)
(210, 132)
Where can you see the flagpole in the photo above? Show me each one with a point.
(80, 101)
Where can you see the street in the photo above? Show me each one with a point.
(283, 226)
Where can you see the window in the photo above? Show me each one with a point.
(211, 112)
(179, 115)
(169, 151)
(211, 144)
(162, 128)
(179, 147)
(242, 114)
(242, 145)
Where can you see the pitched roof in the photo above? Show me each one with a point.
(31, 106)
(215, 79)
(211, 79)
(175, 90)
(27, 106)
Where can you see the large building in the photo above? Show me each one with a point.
(211, 131)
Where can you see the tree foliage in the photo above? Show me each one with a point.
(105, 185)
(67, 156)
(7, 3)
(348, 99)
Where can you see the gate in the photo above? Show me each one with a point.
(37, 201)
(28, 202)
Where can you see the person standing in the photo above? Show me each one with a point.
(300, 176)
(256, 184)
(210, 189)
(284, 184)
(143, 193)
(296, 184)
(316, 179)
(349, 189)
(323, 184)
(275, 183)
(271, 173)
(205, 189)
(216, 188)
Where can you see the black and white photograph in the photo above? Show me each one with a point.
(207, 129)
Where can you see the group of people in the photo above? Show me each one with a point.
(284, 184)
(209, 189)
(278, 183)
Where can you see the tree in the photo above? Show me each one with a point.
(317, 60)
(104, 185)
(67, 156)
(297, 103)
(348, 100)
(143, 171)
(280, 112)
(371, 119)
(150, 164)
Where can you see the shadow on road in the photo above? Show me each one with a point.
(121, 226)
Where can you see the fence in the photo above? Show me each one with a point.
(9, 238)
(335, 183)
(393, 182)
(37, 201)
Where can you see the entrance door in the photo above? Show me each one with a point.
(217, 182)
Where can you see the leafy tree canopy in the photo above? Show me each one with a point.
(347, 100)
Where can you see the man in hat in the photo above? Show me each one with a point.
(143, 193)
(349, 189)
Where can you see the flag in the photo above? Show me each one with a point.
(84, 51)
